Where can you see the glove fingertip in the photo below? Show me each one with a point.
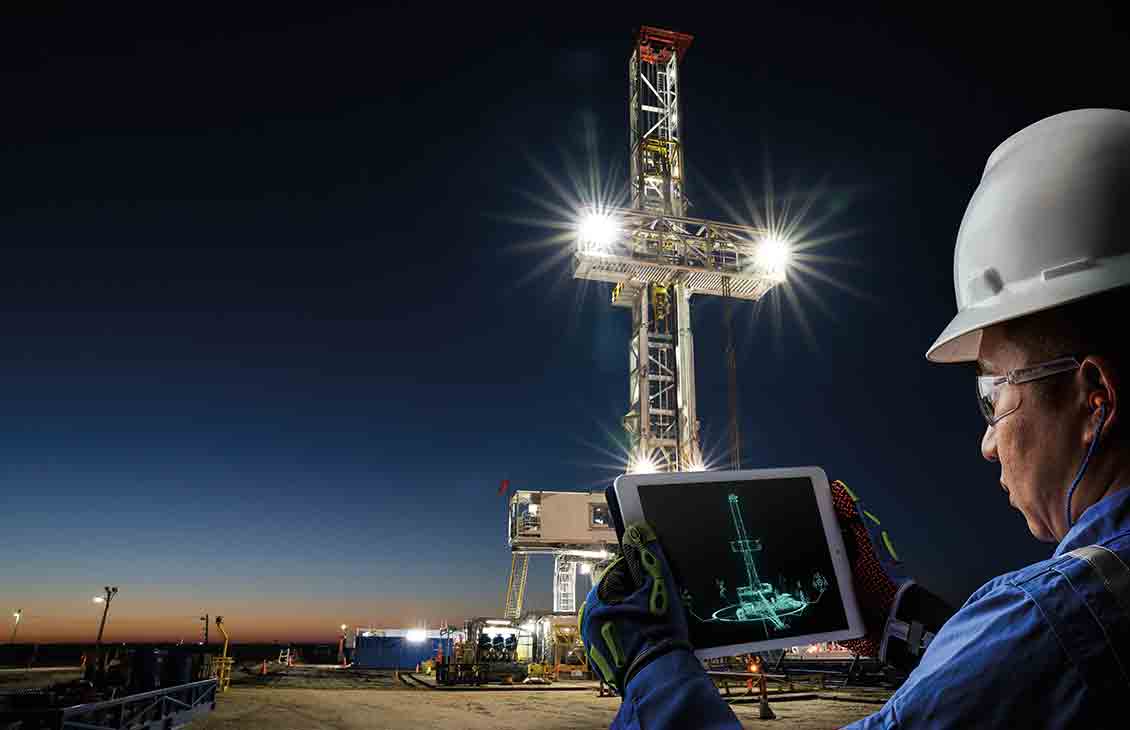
(890, 547)
(842, 485)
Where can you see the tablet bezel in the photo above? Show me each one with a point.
(627, 487)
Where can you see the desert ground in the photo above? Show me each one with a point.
(331, 698)
(379, 701)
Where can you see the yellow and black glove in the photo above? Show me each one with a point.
(632, 615)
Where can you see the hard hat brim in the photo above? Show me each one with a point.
(960, 341)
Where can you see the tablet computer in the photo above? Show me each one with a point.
(757, 555)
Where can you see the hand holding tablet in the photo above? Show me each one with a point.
(757, 555)
(629, 618)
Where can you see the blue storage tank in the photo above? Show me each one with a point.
(395, 651)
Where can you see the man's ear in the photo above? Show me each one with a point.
(1103, 388)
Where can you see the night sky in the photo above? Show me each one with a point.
(278, 310)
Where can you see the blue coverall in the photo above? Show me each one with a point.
(1047, 646)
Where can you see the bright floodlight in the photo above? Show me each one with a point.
(99, 599)
(642, 465)
(416, 636)
(585, 568)
(344, 627)
(598, 230)
(773, 256)
(696, 466)
(532, 510)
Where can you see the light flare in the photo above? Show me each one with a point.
(697, 465)
(597, 230)
(774, 254)
(642, 465)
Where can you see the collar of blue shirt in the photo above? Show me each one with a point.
(1103, 519)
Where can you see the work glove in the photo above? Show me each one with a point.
(901, 617)
(632, 615)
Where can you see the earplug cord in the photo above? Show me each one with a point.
(1086, 460)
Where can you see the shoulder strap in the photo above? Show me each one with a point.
(1109, 568)
(1090, 614)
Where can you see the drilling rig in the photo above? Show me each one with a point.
(657, 258)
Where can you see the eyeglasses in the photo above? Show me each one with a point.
(989, 386)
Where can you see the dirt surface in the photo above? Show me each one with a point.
(386, 703)
(305, 677)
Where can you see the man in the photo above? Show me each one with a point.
(1042, 276)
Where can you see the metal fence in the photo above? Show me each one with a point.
(161, 709)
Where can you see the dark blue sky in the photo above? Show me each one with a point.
(272, 333)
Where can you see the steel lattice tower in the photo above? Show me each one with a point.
(658, 258)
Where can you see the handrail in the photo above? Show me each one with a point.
(130, 699)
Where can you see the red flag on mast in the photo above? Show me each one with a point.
(504, 486)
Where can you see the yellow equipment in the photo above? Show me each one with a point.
(516, 585)
(223, 667)
(567, 645)
(660, 304)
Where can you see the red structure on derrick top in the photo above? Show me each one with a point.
(657, 44)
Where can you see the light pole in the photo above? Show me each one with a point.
(341, 646)
(110, 593)
(17, 616)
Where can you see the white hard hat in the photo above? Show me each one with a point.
(1049, 224)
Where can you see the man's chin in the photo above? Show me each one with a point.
(1039, 530)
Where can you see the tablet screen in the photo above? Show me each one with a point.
(751, 558)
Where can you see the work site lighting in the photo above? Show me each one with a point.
(773, 256)
(597, 230)
(416, 636)
(642, 465)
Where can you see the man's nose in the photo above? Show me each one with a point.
(989, 444)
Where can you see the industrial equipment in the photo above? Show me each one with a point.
(657, 258)
(222, 665)
(141, 686)
(401, 649)
(492, 650)
(574, 527)
(568, 652)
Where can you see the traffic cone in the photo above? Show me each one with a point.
(263, 669)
